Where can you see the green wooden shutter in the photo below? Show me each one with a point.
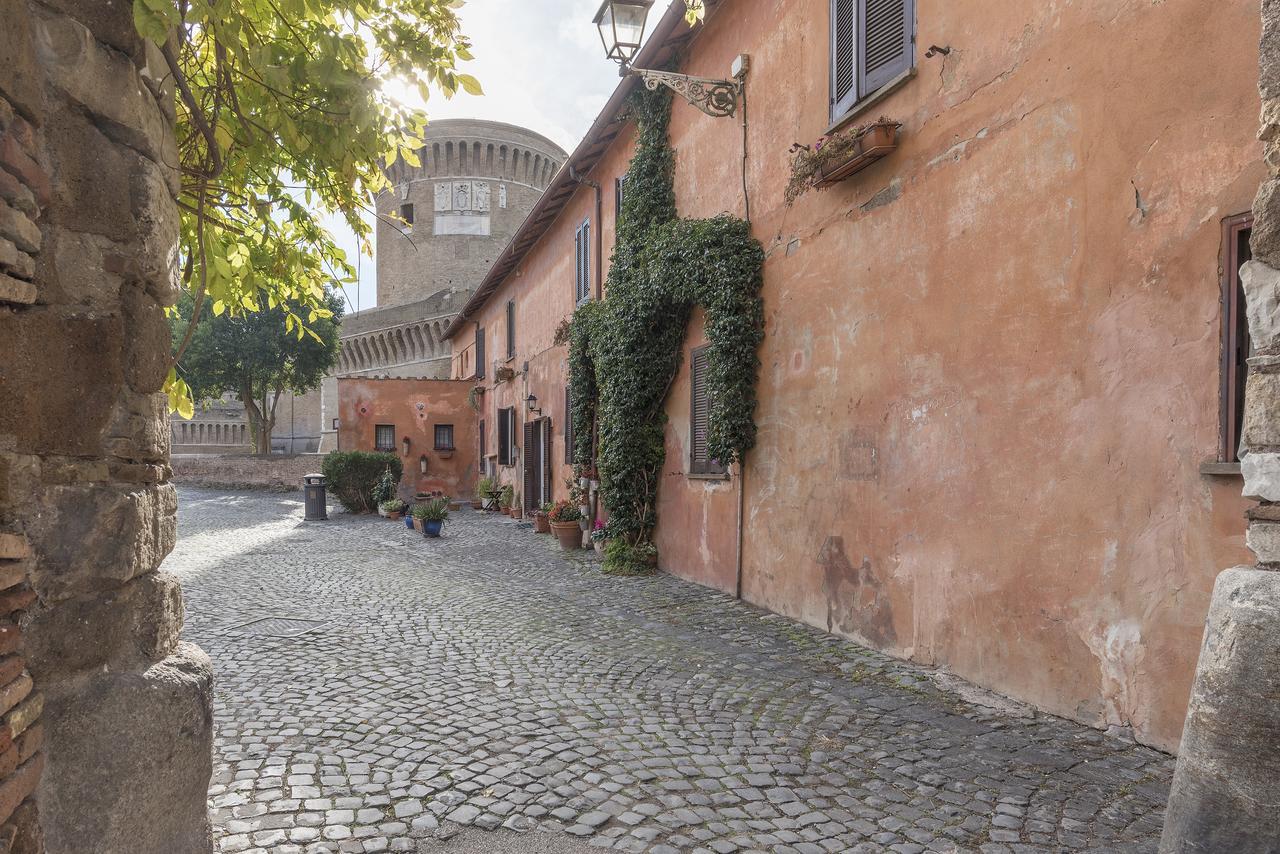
(479, 352)
(504, 437)
(530, 469)
(700, 461)
(884, 42)
(568, 426)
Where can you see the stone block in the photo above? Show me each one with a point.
(1261, 426)
(14, 692)
(110, 22)
(1263, 539)
(148, 343)
(16, 193)
(16, 160)
(104, 83)
(12, 601)
(91, 193)
(15, 790)
(124, 627)
(1261, 473)
(139, 428)
(12, 573)
(81, 354)
(15, 261)
(1261, 285)
(121, 533)
(1227, 780)
(18, 227)
(73, 270)
(154, 260)
(13, 547)
(19, 73)
(129, 759)
(16, 291)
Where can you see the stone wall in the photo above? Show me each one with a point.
(1227, 782)
(106, 730)
(244, 472)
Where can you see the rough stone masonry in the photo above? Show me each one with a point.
(106, 727)
(1227, 783)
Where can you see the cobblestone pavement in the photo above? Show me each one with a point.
(482, 681)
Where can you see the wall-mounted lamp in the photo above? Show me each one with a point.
(532, 402)
(621, 24)
(422, 464)
(405, 444)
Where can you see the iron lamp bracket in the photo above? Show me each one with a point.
(716, 98)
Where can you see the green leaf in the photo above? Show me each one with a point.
(469, 84)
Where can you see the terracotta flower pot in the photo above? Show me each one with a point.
(540, 523)
(395, 514)
(418, 525)
(569, 535)
(875, 142)
(477, 505)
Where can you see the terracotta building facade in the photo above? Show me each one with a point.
(999, 384)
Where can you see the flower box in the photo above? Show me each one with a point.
(873, 143)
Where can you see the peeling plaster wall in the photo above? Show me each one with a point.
(990, 370)
(415, 407)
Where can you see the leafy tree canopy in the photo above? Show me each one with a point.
(283, 116)
(254, 355)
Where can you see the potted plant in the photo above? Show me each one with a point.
(540, 523)
(504, 374)
(506, 497)
(384, 490)
(433, 513)
(564, 518)
(408, 517)
(599, 536)
(392, 509)
(839, 155)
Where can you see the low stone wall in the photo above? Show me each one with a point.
(245, 472)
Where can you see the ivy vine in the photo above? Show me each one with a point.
(624, 352)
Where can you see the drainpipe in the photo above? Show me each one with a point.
(599, 241)
(742, 498)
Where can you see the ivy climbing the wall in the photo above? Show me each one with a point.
(624, 352)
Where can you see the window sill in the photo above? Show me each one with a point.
(871, 100)
(707, 476)
(1213, 468)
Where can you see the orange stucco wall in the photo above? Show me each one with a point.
(990, 370)
(414, 407)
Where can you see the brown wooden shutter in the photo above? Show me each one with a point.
(546, 459)
(511, 329)
(884, 42)
(699, 415)
(568, 426)
(479, 352)
(482, 445)
(504, 437)
(530, 471)
(844, 56)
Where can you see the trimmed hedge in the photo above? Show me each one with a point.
(353, 475)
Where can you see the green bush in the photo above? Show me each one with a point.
(353, 476)
(622, 558)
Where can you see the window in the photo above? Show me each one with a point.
(479, 352)
(506, 436)
(444, 437)
(1236, 346)
(511, 329)
(335, 424)
(699, 415)
(617, 198)
(483, 443)
(406, 213)
(582, 265)
(384, 437)
(872, 44)
(568, 426)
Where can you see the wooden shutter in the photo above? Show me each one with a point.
(568, 426)
(700, 461)
(511, 328)
(586, 261)
(479, 352)
(546, 459)
(530, 470)
(884, 42)
(844, 56)
(482, 445)
(504, 437)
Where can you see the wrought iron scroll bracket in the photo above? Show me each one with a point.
(717, 98)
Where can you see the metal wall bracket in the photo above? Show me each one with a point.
(716, 98)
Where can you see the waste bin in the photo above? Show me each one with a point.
(313, 488)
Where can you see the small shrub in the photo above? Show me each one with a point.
(385, 490)
(395, 505)
(353, 476)
(508, 495)
(622, 558)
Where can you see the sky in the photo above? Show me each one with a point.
(541, 65)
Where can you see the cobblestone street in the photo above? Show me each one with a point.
(401, 690)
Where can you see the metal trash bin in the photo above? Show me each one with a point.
(313, 488)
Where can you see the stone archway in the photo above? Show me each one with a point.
(106, 730)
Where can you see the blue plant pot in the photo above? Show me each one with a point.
(408, 521)
(432, 529)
